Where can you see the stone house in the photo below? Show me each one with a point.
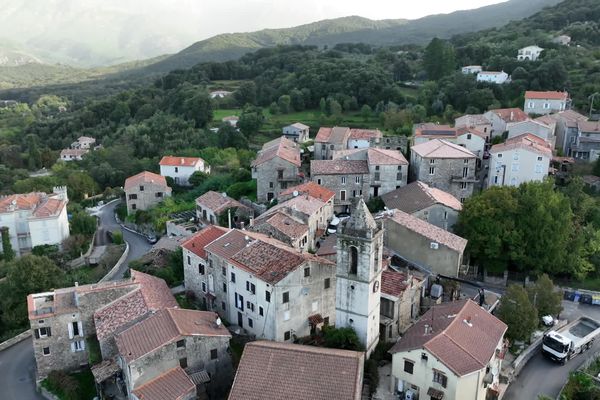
(231, 120)
(72, 154)
(63, 320)
(388, 169)
(266, 287)
(145, 190)
(181, 168)
(362, 138)
(84, 142)
(545, 102)
(297, 132)
(430, 248)
(587, 144)
(475, 121)
(211, 205)
(400, 302)
(427, 203)
(530, 53)
(453, 352)
(499, 119)
(327, 248)
(446, 166)
(566, 129)
(299, 221)
(348, 179)
(496, 77)
(276, 167)
(173, 384)
(524, 158)
(329, 140)
(319, 373)
(393, 142)
(471, 139)
(534, 127)
(471, 69)
(172, 339)
(35, 219)
(563, 40)
(427, 131)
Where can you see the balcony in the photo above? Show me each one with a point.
(466, 179)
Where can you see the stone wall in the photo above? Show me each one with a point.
(267, 178)
(445, 170)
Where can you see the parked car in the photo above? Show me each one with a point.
(151, 238)
(333, 225)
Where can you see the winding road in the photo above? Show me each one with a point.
(17, 363)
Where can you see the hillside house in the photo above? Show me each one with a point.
(563, 40)
(533, 127)
(231, 120)
(329, 140)
(219, 94)
(499, 119)
(529, 53)
(400, 302)
(182, 168)
(471, 69)
(72, 154)
(297, 132)
(587, 144)
(145, 190)
(429, 131)
(276, 167)
(494, 77)
(211, 205)
(35, 219)
(548, 102)
(84, 142)
(473, 140)
(348, 179)
(453, 352)
(567, 129)
(475, 121)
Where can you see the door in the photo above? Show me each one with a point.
(211, 284)
(240, 320)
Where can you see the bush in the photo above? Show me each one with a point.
(117, 237)
(341, 338)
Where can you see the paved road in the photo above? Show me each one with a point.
(17, 363)
(542, 376)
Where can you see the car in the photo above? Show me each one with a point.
(333, 225)
(151, 238)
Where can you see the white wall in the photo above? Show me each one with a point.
(473, 142)
(180, 173)
(358, 143)
(517, 166)
(49, 230)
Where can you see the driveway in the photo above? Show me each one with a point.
(17, 363)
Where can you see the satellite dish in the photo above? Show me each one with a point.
(295, 194)
(218, 321)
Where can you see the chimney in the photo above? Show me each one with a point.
(182, 161)
(512, 115)
(426, 329)
(242, 225)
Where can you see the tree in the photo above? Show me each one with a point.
(544, 296)
(284, 103)
(341, 338)
(439, 59)
(246, 93)
(197, 178)
(366, 112)
(7, 251)
(83, 223)
(518, 313)
(251, 120)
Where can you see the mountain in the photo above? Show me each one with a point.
(352, 29)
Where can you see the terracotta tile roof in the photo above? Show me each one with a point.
(305, 204)
(570, 117)
(299, 125)
(165, 326)
(288, 226)
(151, 294)
(472, 120)
(197, 242)
(41, 204)
(589, 126)
(438, 148)
(548, 119)
(464, 336)
(393, 283)
(281, 147)
(83, 139)
(144, 177)
(550, 95)
(373, 155)
(434, 130)
(73, 152)
(312, 189)
(217, 202)
(338, 167)
(49, 208)
(429, 231)
(526, 141)
(511, 114)
(464, 130)
(174, 384)
(365, 134)
(335, 135)
(180, 161)
(275, 371)
(417, 196)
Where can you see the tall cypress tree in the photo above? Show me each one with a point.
(7, 251)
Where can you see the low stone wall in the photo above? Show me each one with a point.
(46, 394)
(114, 269)
(532, 350)
(14, 340)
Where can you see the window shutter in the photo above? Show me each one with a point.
(37, 333)
(82, 345)
(73, 347)
(70, 326)
(80, 326)
(48, 331)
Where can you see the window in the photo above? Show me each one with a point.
(432, 161)
(318, 181)
(331, 146)
(466, 161)
(353, 260)
(377, 168)
(42, 333)
(250, 323)
(287, 335)
(468, 136)
(357, 179)
(409, 366)
(377, 176)
(133, 197)
(515, 167)
(180, 344)
(546, 105)
(201, 269)
(267, 296)
(286, 297)
(342, 195)
(77, 346)
(424, 356)
(189, 260)
(327, 283)
(239, 302)
(46, 351)
(223, 306)
(499, 155)
(233, 277)
(75, 329)
(133, 206)
(326, 321)
(431, 170)
(224, 287)
(530, 104)
(279, 174)
(176, 169)
(445, 214)
(261, 311)
(183, 362)
(271, 185)
(399, 176)
(538, 168)
(204, 287)
(141, 188)
(158, 194)
(465, 172)
(250, 287)
(463, 185)
(306, 272)
(343, 180)
(323, 146)
(539, 158)
(250, 306)
(439, 377)
(462, 200)
(223, 270)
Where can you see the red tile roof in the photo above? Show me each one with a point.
(511, 114)
(335, 135)
(166, 326)
(338, 167)
(49, 208)
(526, 141)
(393, 283)
(41, 204)
(438, 148)
(174, 384)
(589, 126)
(365, 134)
(288, 226)
(197, 242)
(550, 95)
(180, 161)
(377, 156)
(217, 202)
(435, 130)
(281, 147)
(275, 371)
(312, 189)
(417, 196)
(463, 336)
(463, 130)
(144, 177)
(429, 231)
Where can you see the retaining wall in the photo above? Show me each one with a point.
(14, 340)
